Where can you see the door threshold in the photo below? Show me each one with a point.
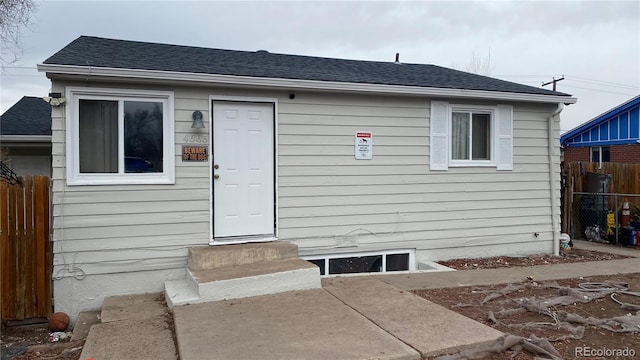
(242, 239)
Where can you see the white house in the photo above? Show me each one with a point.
(392, 162)
(25, 137)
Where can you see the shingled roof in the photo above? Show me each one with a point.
(29, 116)
(97, 52)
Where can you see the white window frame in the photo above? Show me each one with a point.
(440, 124)
(383, 270)
(473, 109)
(74, 177)
(600, 148)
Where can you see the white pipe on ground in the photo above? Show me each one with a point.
(553, 182)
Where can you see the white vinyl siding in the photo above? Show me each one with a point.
(326, 196)
(124, 228)
(394, 200)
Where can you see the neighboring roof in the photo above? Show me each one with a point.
(619, 125)
(29, 116)
(96, 53)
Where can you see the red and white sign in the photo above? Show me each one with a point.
(364, 145)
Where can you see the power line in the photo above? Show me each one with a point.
(604, 82)
(20, 67)
(604, 91)
(576, 78)
(18, 75)
(527, 76)
(625, 87)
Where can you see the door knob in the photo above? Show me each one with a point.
(216, 176)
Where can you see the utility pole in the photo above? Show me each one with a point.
(554, 81)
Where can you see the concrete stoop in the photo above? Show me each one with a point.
(226, 272)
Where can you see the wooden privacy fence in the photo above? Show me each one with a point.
(25, 270)
(625, 179)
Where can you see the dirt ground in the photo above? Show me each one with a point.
(468, 301)
(575, 255)
(476, 302)
(31, 342)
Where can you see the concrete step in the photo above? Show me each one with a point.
(132, 307)
(241, 281)
(180, 292)
(84, 322)
(212, 257)
(132, 327)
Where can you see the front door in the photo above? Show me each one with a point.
(243, 170)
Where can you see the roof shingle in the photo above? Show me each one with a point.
(123, 54)
(29, 116)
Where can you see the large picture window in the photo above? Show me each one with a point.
(120, 137)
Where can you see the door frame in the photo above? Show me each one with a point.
(247, 99)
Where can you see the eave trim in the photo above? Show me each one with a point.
(292, 84)
(613, 112)
(26, 138)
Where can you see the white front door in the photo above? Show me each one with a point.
(243, 170)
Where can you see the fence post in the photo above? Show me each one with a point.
(43, 246)
(4, 246)
(615, 215)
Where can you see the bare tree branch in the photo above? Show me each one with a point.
(478, 64)
(14, 14)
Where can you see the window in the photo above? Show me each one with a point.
(387, 261)
(600, 154)
(119, 137)
(468, 135)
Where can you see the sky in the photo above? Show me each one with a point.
(594, 45)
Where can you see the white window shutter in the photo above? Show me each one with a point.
(504, 137)
(439, 149)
